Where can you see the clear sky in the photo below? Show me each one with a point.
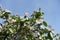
(51, 8)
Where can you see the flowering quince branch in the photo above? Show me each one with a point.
(15, 27)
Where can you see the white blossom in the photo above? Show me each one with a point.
(10, 20)
(32, 28)
(38, 21)
(13, 20)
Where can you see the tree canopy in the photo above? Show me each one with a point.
(34, 27)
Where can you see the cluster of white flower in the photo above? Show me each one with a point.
(10, 20)
(39, 21)
(36, 34)
(32, 28)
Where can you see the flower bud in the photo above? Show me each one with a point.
(26, 14)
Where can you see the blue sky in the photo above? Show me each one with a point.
(51, 8)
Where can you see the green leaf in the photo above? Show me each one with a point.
(10, 30)
(44, 23)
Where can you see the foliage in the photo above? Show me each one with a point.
(15, 27)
